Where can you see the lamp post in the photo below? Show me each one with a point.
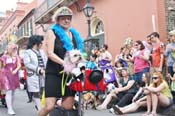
(88, 10)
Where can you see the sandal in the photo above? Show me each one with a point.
(117, 111)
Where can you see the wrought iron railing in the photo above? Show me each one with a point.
(45, 7)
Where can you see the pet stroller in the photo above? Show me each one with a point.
(93, 81)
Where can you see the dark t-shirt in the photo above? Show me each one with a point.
(134, 87)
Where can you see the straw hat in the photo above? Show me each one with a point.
(62, 11)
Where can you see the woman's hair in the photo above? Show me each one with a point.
(105, 46)
(11, 46)
(141, 84)
(160, 76)
(120, 62)
(141, 44)
(126, 69)
(155, 34)
(34, 40)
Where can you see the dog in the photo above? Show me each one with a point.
(71, 59)
(74, 65)
(77, 73)
(89, 100)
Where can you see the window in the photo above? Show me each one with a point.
(27, 28)
(99, 27)
(97, 39)
(30, 27)
(22, 30)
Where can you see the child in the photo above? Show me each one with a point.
(91, 64)
(173, 83)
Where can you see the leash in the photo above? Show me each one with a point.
(63, 84)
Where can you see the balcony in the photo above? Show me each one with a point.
(45, 11)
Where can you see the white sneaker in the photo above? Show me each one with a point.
(100, 107)
(11, 112)
(111, 110)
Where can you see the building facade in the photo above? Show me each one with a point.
(8, 29)
(112, 21)
(16, 25)
(26, 26)
(170, 14)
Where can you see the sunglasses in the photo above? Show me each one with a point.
(136, 44)
(154, 78)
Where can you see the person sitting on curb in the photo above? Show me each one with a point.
(124, 93)
(157, 92)
(138, 100)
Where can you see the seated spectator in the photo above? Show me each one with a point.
(138, 100)
(157, 92)
(125, 92)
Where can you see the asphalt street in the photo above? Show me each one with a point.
(22, 108)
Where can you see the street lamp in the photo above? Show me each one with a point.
(88, 10)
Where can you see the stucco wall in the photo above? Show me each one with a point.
(123, 18)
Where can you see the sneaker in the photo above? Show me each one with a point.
(29, 101)
(101, 107)
(11, 112)
(111, 110)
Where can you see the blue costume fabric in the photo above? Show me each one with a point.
(67, 44)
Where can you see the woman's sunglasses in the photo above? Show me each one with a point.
(154, 78)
